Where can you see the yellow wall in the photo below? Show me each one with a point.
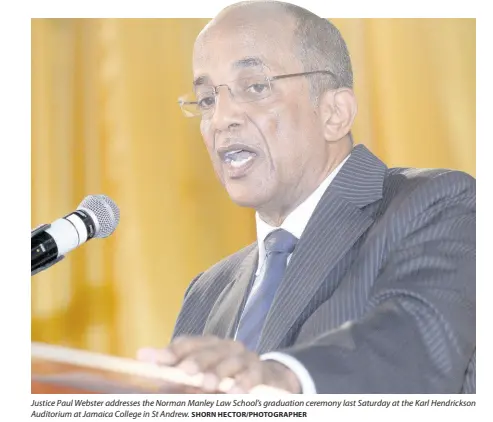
(105, 120)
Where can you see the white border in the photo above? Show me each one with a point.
(15, 161)
(208, 9)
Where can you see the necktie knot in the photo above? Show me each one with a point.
(280, 241)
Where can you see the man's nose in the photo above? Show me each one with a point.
(227, 111)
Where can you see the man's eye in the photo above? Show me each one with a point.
(257, 88)
(206, 102)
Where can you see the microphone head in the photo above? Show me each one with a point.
(105, 211)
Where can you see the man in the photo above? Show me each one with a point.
(362, 279)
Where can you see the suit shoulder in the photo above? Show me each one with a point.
(409, 181)
(412, 190)
(423, 175)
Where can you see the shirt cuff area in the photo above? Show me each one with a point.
(306, 381)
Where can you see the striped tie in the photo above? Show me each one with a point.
(278, 246)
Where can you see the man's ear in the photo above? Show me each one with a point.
(338, 109)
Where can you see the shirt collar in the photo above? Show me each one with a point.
(295, 222)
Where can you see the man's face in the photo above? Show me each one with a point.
(266, 153)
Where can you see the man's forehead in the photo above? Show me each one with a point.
(245, 47)
(245, 62)
(243, 31)
(252, 62)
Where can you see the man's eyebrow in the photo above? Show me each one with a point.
(201, 80)
(244, 63)
(249, 62)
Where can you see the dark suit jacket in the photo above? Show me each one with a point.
(380, 293)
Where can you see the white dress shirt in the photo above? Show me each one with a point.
(295, 224)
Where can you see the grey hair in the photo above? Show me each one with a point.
(319, 46)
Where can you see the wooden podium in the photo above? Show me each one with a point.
(61, 370)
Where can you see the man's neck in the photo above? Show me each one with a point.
(276, 214)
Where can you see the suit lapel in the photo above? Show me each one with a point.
(337, 223)
(224, 315)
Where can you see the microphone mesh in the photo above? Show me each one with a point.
(106, 212)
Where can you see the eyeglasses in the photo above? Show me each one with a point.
(244, 90)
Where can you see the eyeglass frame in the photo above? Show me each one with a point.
(268, 78)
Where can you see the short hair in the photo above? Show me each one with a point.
(319, 46)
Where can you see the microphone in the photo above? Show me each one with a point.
(96, 216)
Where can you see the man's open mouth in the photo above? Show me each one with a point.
(238, 157)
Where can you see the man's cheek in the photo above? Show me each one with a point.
(204, 128)
(218, 169)
(209, 145)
